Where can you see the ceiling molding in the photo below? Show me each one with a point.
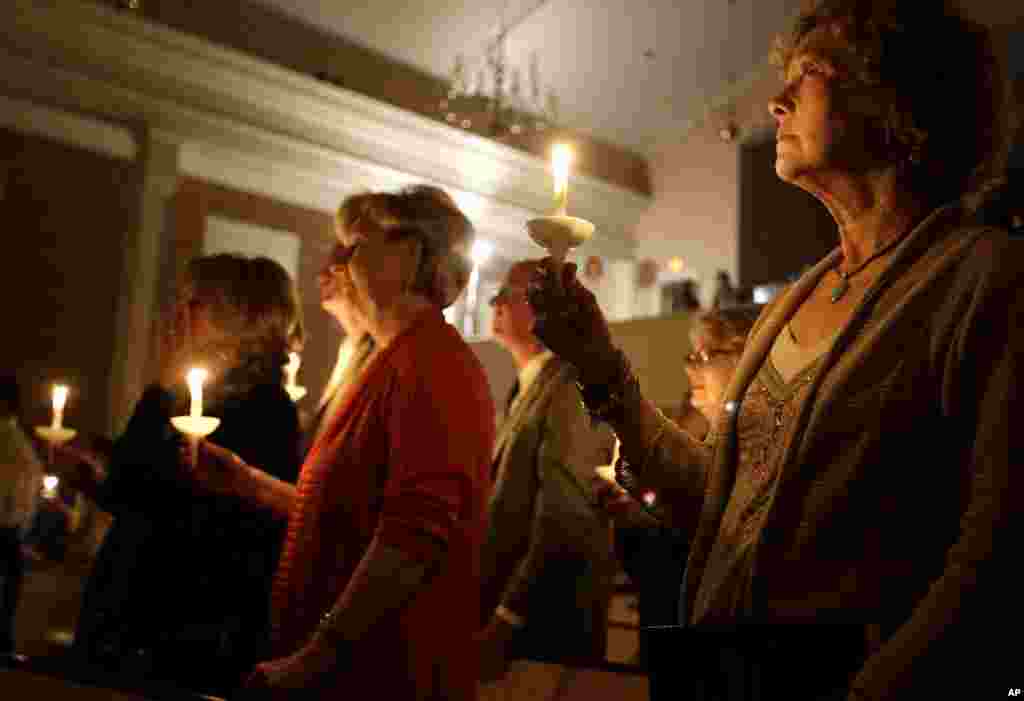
(90, 134)
(232, 112)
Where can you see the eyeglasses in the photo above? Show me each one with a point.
(507, 295)
(703, 357)
(342, 254)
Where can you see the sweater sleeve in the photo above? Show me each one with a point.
(666, 458)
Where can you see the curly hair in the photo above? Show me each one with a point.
(942, 112)
(727, 329)
(431, 216)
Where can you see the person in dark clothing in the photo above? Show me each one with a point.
(179, 590)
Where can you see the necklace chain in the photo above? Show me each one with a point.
(844, 278)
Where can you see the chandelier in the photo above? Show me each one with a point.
(488, 95)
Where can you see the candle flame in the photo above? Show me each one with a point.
(51, 482)
(561, 160)
(196, 376)
(60, 397)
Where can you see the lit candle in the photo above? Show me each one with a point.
(60, 399)
(561, 158)
(196, 378)
(292, 369)
(50, 483)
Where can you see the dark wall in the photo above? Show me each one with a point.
(1015, 69)
(782, 229)
(65, 213)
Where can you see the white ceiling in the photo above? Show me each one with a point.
(592, 52)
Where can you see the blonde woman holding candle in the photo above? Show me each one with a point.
(824, 564)
(377, 593)
(178, 591)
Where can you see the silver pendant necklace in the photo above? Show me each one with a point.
(844, 278)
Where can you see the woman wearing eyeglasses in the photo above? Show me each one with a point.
(377, 591)
(718, 338)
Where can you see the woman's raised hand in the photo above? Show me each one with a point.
(570, 322)
(217, 469)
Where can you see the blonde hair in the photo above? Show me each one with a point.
(431, 216)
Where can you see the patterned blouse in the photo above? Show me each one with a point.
(767, 414)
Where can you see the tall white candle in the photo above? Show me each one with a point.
(561, 159)
(60, 399)
(196, 378)
(291, 370)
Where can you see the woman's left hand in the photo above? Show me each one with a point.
(302, 670)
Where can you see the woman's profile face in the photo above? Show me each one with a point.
(366, 272)
(709, 370)
(818, 129)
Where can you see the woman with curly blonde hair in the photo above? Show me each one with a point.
(855, 510)
(382, 554)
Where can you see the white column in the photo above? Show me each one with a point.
(138, 304)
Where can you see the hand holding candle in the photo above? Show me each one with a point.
(195, 425)
(560, 232)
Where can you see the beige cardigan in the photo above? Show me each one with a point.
(899, 496)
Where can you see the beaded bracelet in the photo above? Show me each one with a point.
(627, 479)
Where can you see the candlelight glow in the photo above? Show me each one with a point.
(292, 368)
(60, 396)
(561, 160)
(196, 377)
(50, 483)
(60, 400)
(481, 251)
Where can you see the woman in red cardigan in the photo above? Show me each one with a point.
(380, 564)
